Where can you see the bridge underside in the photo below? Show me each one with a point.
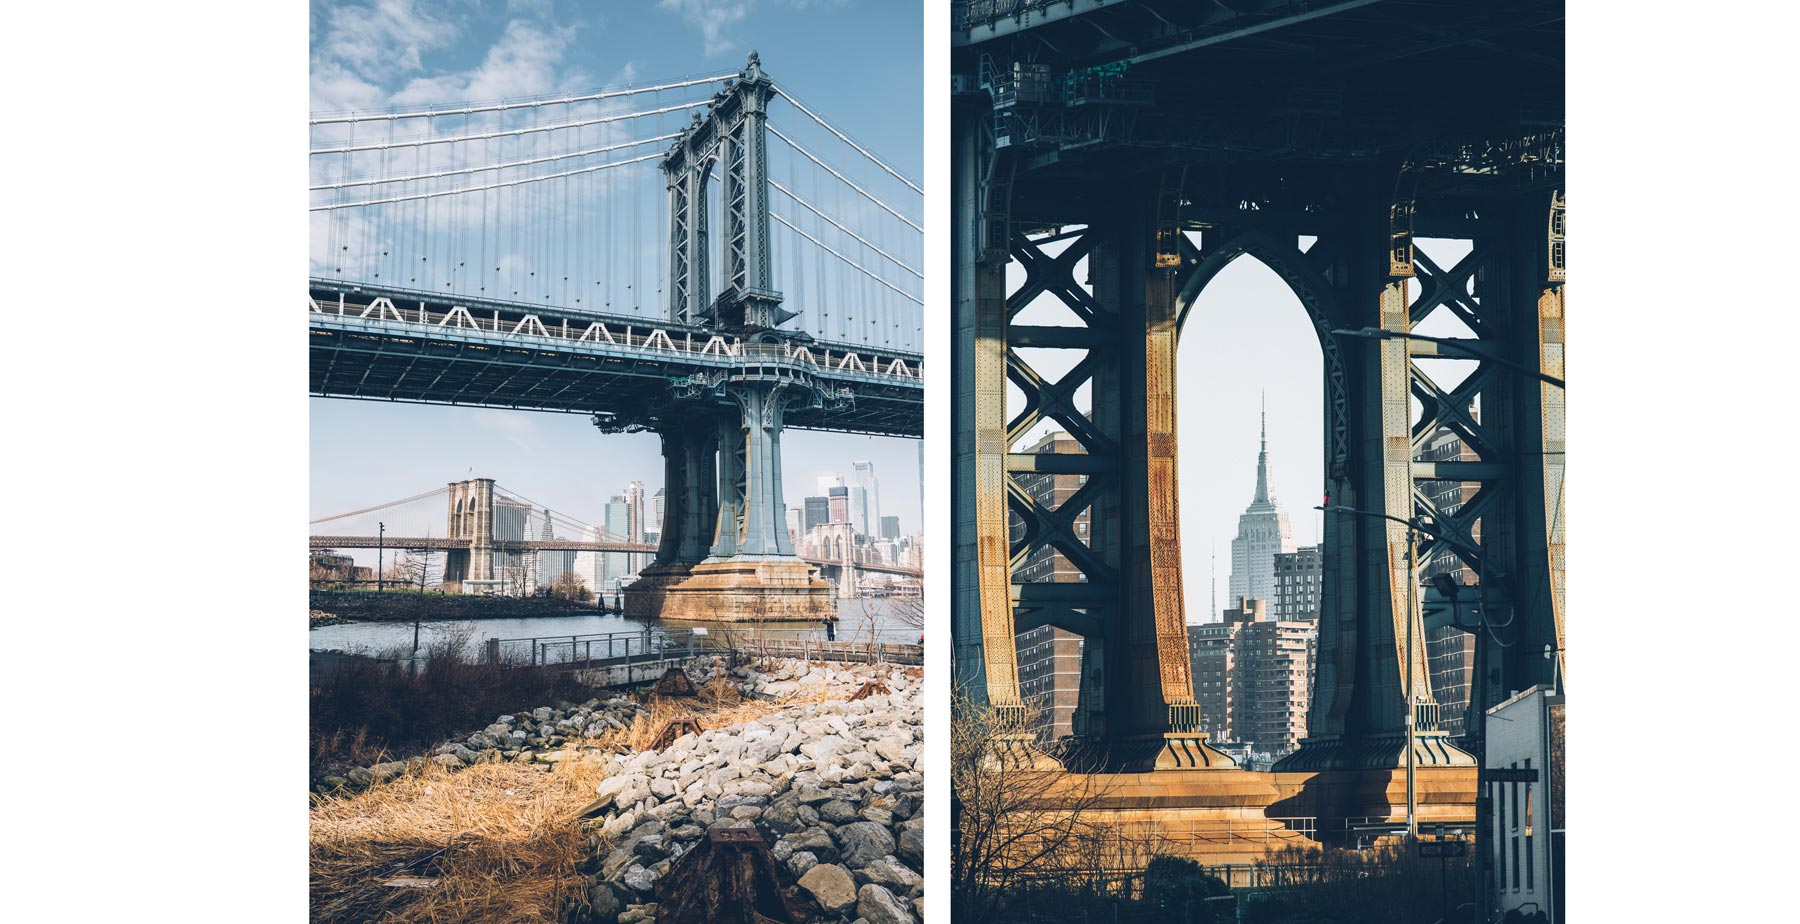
(1120, 155)
(418, 349)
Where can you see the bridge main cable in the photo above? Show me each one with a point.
(846, 139)
(483, 169)
(855, 265)
(529, 104)
(846, 180)
(485, 188)
(839, 225)
(485, 136)
(403, 500)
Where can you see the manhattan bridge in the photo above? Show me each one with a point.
(1109, 159)
(559, 254)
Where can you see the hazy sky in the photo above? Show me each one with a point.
(856, 63)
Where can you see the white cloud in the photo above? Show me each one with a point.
(382, 39)
(712, 18)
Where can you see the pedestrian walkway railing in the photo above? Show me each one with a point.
(653, 644)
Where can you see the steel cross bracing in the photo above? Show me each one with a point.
(1078, 142)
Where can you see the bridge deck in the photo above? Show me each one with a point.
(423, 348)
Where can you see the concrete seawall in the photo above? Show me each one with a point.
(404, 607)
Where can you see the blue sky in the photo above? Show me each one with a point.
(855, 62)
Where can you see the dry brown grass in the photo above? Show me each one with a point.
(500, 839)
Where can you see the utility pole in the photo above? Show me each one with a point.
(1412, 704)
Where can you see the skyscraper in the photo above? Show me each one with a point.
(818, 513)
(634, 499)
(1263, 532)
(890, 527)
(618, 527)
(838, 503)
(862, 475)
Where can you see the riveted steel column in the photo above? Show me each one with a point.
(1162, 589)
(1150, 703)
(699, 258)
(986, 667)
(676, 456)
(679, 241)
(764, 530)
(729, 524)
(700, 497)
(1534, 412)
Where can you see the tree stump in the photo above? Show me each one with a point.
(730, 878)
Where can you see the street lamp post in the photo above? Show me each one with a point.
(1454, 345)
(1413, 527)
(380, 551)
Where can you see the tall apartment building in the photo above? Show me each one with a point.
(511, 519)
(1050, 678)
(1253, 677)
(616, 565)
(1299, 584)
(550, 564)
(1050, 658)
(634, 501)
(818, 513)
(1263, 533)
(1450, 652)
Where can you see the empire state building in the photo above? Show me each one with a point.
(1262, 532)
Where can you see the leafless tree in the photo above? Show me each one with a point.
(1015, 823)
(570, 586)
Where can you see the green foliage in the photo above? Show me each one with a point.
(1179, 886)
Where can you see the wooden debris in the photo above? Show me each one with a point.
(675, 682)
(729, 878)
(870, 688)
(674, 728)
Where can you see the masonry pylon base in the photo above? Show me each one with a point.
(750, 588)
(1384, 752)
(1021, 752)
(645, 597)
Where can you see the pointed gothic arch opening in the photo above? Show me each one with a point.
(1252, 414)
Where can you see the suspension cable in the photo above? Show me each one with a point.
(528, 104)
(847, 181)
(470, 189)
(846, 139)
(858, 266)
(483, 136)
(834, 223)
(404, 500)
(483, 169)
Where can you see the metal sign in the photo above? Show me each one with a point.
(1499, 775)
(1443, 848)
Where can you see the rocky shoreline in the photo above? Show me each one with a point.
(833, 788)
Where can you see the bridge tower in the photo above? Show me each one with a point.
(725, 553)
(1091, 163)
(471, 518)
